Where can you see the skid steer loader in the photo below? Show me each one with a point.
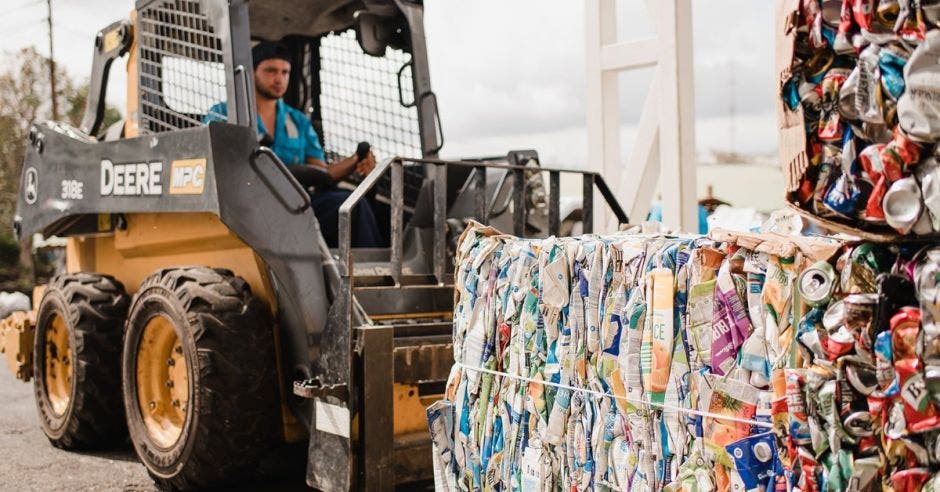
(202, 312)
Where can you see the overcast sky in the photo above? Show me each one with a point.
(510, 74)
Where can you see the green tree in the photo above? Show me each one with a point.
(76, 109)
(25, 100)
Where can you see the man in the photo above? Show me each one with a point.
(291, 136)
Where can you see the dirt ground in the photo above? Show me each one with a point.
(29, 463)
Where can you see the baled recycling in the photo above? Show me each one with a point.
(651, 362)
(864, 75)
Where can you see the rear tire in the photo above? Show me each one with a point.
(77, 361)
(206, 416)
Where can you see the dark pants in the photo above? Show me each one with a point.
(365, 230)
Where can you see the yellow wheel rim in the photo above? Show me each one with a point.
(58, 365)
(162, 381)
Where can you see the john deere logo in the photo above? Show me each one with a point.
(30, 189)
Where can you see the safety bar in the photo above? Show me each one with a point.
(590, 180)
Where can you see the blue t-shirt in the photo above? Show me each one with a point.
(294, 137)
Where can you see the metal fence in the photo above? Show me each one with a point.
(360, 99)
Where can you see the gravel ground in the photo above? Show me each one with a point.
(29, 463)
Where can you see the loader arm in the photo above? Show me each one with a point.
(111, 43)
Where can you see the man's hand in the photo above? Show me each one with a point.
(365, 166)
(344, 167)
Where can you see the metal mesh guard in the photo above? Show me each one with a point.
(359, 100)
(182, 69)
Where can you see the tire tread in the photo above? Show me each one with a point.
(97, 306)
(237, 375)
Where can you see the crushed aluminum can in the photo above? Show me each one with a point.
(840, 342)
(884, 365)
(832, 12)
(928, 173)
(866, 473)
(824, 178)
(816, 67)
(809, 96)
(927, 279)
(812, 17)
(899, 155)
(891, 63)
(872, 132)
(831, 126)
(791, 94)
(883, 19)
(905, 331)
(872, 166)
(932, 378)
(862, 12)
(919, 410)
(869, 99)
(886, 14)
(919, 106)
(910, 480)
(845, 195)
(811, 471)
(848, 93)
(923, 225)
(831, 85)
(843, 42)
(860, 311)
(931, 12)
(859, 424)
(903, 205)
(859, 269)
(834, 316)
(874, 207)
(796, 406)
(860, 374)
(817, 283)
(811, 337)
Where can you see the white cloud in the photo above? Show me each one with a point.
(512, 71)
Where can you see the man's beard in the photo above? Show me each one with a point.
(267, 94)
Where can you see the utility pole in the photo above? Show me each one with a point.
(55, 103)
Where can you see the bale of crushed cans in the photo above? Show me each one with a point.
(860, 113)
(650, 362)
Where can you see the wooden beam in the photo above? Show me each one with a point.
(630, 55)
(638, 179)
(664, 151)
(602, 97)
(677, 115)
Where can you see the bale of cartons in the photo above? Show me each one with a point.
(653, 362)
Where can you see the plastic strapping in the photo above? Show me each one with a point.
(599, 394)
